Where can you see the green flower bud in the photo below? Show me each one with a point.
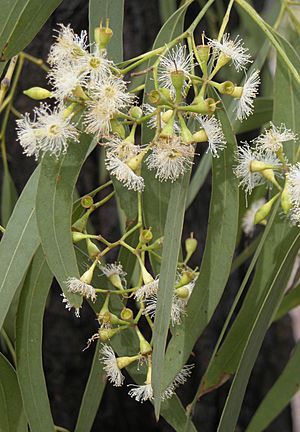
(145, 347)
(182, 292)
(103, 35)
(77, 236)
(88, 275)
(190, 247)
(285, 198)
(186, 277)
(167, 115)
(38, 93)
(123, 362)
(136, 112)
(92, 249)
(161, 96)
(106, 334)
(203, 56)
(264, 211)
(117, 128)
(80, 224)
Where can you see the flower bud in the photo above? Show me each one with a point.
(136, 162)
(264, 211)
(88, 275)
(117, 128)
(136, 112)
(77, 236)
(123, 362)
(182, 292)
(126, 314)
(146, 236)
(67, 112)
(161, 96)
(200, 136)
(165, 116)
(92, 249)
(106, 334)
(115, 280)
(186, 277)
(257, 166)
(80, 224)
(285, 198)
(87, 201)
(190, 247)
(38, 93)
(145, 347)
(79, 93)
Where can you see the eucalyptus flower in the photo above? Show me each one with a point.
(214, 133)
(249, 92)
(77, 286)
(271, 139)
(248, 225)
(108, 358)
(294, 193)
(233, 50)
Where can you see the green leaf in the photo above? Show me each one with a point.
(92, 395)
(279, 396)
(20, 21)
(54, 210)
(29, 345)
(289, 301)
(217, 258)
(263, 113)
(156, 194)
(12, 417)
(257, 329)
(172, 239)
(166, 9)
(199, 178)
(9, 197)
(18, 245)
(114, 11)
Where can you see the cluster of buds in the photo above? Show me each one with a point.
(92, 95)
(265, 162)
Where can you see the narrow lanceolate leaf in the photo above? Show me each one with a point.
(289, 301)
(9, 197)
(172, 239)
(156, 194)
(166, 9)
(287, 97)
(92, 395)
(18, 245)
(12, 417)
(279, 396)
(54, 211)
(113, 10)
(20, 21)
(29, 345)
(220, 244)
(258, 329)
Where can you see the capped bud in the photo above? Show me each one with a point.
(190, 247)
(285, 198)
(87, 201)
(167, 115)
(123, 362)
(203, 52)
(186, 277)
(264, 211)
(201, 105)
(147, 278)
(146, 236)
(178, 79)
(117, 128)
(80, 224)
(67, 112)
(145, 347)
(103, 35)
(116, 280)
(136, 112)
(183, 292)
(92, 249)
(185, 133)
(106, 334)
(77, 236)
(88, 275)
(200, 136)
(257, 166)
(126, 314)
(269, 175)
(168, 129)
(38, 93)
(136, 162)
(110, 318)
(79, 93)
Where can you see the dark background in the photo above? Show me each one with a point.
(66, 366)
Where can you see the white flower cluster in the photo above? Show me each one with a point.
(113, 367)
(76, 76)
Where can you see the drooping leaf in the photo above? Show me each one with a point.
(9, 197)
(29, 344)
(172, 241)
(54, 210)
(12, 417)
(257, 330)
(286, 386)
(92, 395)
(289, 301)
(20, 22)
(217, 258)
(18, 245)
